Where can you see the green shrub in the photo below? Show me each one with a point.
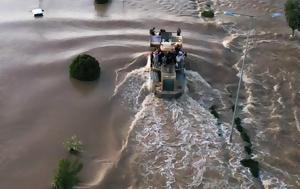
(292, 14)
(85, 68)
(66, 174)
(208, 13)
(101, 1)
(73, 145)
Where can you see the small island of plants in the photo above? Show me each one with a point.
(85, 68)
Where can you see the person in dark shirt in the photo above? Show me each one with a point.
(162, 31)
(170, 58)
(177, 49)
(178, 32)
(152, 31)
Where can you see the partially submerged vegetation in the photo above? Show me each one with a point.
(242, 131)
(73, 145)
(208, 12)
(85, 68)
(292, 14)
(248, 162)
(101, 1)
(66, 174)
(252, 165)
(213, 111)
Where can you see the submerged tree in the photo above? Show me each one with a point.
(66, 174)
(85, 68)
(292, 14)
(101, 1)
(208, 12)
(73, 145)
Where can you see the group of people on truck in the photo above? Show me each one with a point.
(152, 31)
(166, 52)
(176, 57)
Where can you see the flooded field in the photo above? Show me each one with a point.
(131, 138)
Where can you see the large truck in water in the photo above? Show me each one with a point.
(167, 64)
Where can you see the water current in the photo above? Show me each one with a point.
(133, 139)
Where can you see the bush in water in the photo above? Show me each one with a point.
(248, 149)
(252, 165)
(66, 174)
(242, 131)
(292, 14)
(85, 68)
(214, 112)
(208, 13)
(73, 145)
(101, 1)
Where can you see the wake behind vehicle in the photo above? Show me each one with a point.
(167, 66)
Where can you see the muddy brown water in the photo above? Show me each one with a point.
(132, 139)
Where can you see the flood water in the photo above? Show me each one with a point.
(131, 138)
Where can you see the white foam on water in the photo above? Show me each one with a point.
(296, 119)
(131, 86)
(176, 143)
(248, 79)
(202, 91)
(270, 181)
(268, 178)
(266, 41)
(228, 40)
(120, 70)
(276, 87)
(248, 121)
(249, 104)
